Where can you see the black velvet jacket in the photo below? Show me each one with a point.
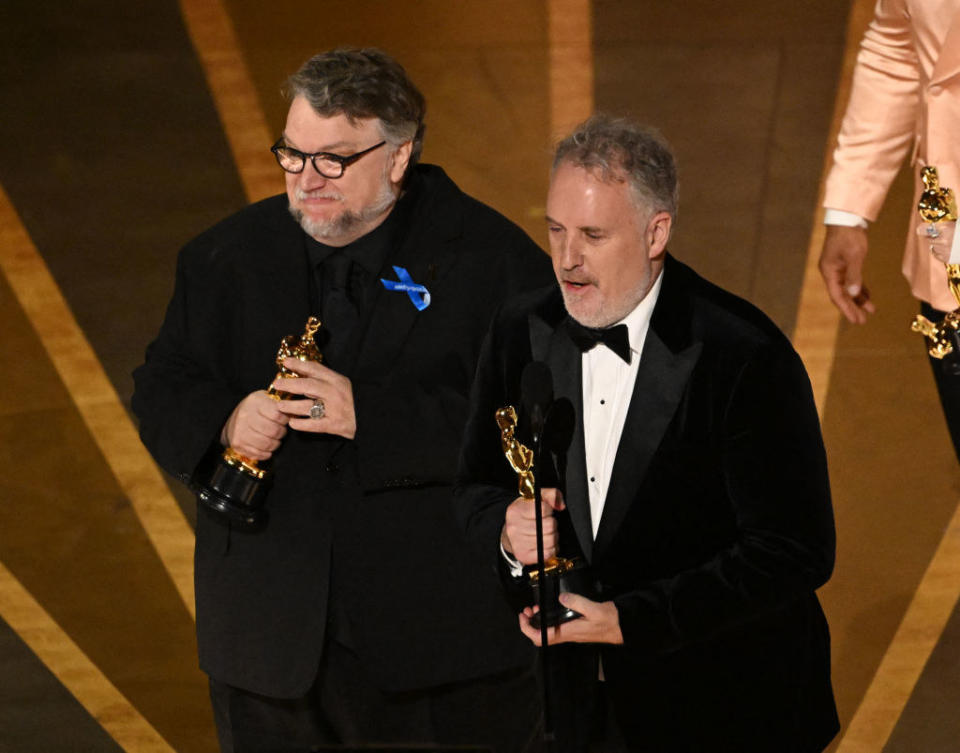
(359, 529)
(716, 530)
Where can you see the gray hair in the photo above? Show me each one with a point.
(621, 149)
(363, 83)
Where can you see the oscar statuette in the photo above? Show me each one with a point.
(238, 485)
(938, 204)
(559, 574)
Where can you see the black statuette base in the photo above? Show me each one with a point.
(235, 495)
(577, 580)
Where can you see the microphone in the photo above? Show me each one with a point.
(558, 426)
(536, 394)
(555, 440)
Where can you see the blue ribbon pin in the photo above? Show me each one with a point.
(419, 295)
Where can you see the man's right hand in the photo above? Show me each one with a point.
(519, 534)
(841, 264)
(255, 427)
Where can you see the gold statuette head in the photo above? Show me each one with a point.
(936, 203)
(303, 348)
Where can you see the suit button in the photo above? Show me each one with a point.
(936, 90)
(332, 468)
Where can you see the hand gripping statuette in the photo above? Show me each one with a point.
(561, 575)
(238, 485)
(937, 205)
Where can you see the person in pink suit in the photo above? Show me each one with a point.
(905, 101)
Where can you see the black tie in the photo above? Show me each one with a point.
(616, 338)
(340, 315)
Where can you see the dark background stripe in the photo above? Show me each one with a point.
(37, 714)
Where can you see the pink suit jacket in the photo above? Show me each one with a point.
(906, 91)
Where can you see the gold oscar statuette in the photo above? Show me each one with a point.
(562, 574)
(938, 204)
(238, 485)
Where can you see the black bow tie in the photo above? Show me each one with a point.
(616, 338)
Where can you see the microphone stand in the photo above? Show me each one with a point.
(548, 734)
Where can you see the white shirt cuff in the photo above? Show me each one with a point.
(843, 217)
(516, 569)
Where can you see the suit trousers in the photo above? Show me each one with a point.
(946, 374)
(499, 713)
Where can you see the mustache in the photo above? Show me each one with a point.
(301, 195)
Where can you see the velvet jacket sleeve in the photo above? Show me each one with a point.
(486, 484)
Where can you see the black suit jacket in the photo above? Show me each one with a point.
(716, 530)
(359, 531)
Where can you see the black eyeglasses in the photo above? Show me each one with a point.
(327, 164)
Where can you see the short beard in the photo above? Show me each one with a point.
(348, 222)
(611, 312)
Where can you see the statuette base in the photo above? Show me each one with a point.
(561, 576)
(235, 495)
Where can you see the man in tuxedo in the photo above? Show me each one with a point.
(905, 100)
(695, 485)
(354, 614)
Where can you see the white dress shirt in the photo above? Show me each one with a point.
(607, 385)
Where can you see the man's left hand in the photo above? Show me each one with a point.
(600, 623)
(318, 382)
(941, 245)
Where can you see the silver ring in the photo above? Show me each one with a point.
(318, 409)
(932, 230)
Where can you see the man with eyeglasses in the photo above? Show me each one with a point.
(355, 613)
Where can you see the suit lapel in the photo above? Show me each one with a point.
(661, 380)
(393, 313)
(278, 304)
(421, 252)
(666, 363)
(552, 345)
(948, 63)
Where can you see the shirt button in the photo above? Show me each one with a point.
(603, 402)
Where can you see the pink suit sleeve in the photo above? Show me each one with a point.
(881, 116)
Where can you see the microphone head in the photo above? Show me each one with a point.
(558, 426)
(536, 392)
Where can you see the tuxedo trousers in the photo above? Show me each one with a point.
(500, 713)
(946, 374)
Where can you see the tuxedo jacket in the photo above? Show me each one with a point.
(905, 94)
(360, 533)
(716, 530)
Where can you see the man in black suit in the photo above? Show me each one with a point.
(354, 615)
(696, 482)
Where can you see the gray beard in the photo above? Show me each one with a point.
(613, 311)
(348, 222)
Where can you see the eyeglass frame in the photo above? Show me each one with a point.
(344, 162)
